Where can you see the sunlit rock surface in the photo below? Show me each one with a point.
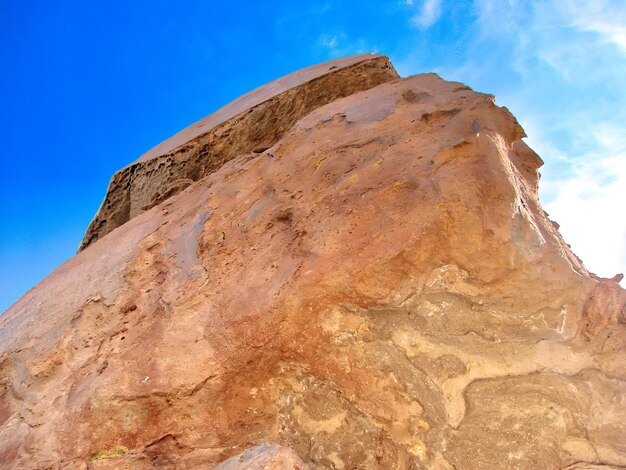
(251, 123)
(379, 288)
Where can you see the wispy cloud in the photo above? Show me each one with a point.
(339, 45)
(589, 207)
(578, 41)
(329, 42)
(606, 18)
(428, 14)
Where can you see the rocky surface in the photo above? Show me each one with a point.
(378, 289)
(264, 456)
(251, 123)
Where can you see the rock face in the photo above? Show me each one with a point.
(252, 123)
(379, 288)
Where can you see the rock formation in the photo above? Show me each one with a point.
(251, 123)
(366, 281)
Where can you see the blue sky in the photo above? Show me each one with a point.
(89, 86)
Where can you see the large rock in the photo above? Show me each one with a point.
(379, 289)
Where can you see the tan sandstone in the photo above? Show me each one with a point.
(378, 289)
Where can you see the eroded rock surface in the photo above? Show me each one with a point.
(263, 457)
(251, 123)
(378, 289)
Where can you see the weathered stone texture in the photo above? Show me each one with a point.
(251, 123)
(379, 289)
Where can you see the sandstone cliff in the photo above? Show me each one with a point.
(370, 284)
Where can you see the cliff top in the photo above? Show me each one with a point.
(254, 98)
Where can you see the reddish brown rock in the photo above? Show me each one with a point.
(379, 289)
(606, 304)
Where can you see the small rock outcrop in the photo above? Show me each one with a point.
(251, 123)
(376, 286)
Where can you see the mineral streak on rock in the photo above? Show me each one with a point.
(251, 123)
(380, 289)
(265, 456)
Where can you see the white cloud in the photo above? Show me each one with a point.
(589, 207)
(428, 14)
(572, 37)
(340, 45)
(606, 18)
